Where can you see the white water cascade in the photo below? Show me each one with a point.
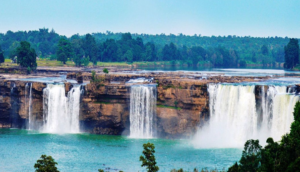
(142, 111)
(13, 86)
(61, 113)
(277, 111)
(30, 117)
(235, 119)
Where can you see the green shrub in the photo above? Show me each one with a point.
(45, 164)
(148, 158)
(105, 70)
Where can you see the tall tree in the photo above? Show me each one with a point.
(77, 45)
(150, 52)
(170, 52)
(148, 158)
(64, 50)
(110, 49)
(128, 56)
(26, 55)
(90, 48)
(79, 57)
(2, 59)
(251, 156)
(264, 50)
(197, 54)
(291, 54)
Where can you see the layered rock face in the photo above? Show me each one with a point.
(104, 109)
(182, 103)
(14, 103)
(181, 106)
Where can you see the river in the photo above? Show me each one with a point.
(86, 152)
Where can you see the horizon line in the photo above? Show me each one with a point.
(157, 34)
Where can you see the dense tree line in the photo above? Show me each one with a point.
(275, 156)
(218, 51)
(43, 41)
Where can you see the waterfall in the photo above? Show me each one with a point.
(142, 111)
(282, 112)
(61, 112)
(14, 101)
(28, 104)
(13, 85)
(30, 117)
(235, 119)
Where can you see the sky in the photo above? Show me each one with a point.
(257, 18)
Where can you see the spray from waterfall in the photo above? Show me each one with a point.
(61, 112)
(142, 111)
(235, 119)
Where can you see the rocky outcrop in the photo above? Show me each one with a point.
(14, 103)
(181, 106)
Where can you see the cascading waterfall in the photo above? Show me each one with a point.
(30, 117)
(61, 113)
(142, 111)
(28, 104)
(14, 106)
(235, 119)
(282, 111)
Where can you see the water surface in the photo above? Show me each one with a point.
(19, 150)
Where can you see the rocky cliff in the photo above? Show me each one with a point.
(182, 102)
(14, 103)
(181, 106)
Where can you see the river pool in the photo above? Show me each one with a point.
(19, 150)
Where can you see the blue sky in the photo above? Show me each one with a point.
(260, 18)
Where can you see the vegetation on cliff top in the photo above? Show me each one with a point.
(171, 107)
(105, 70)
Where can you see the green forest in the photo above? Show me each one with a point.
(216, 51)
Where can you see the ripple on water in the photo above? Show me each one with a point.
(87, 152)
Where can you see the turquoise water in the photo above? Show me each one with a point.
(19, 150)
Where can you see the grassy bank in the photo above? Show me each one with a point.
(55, 63)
